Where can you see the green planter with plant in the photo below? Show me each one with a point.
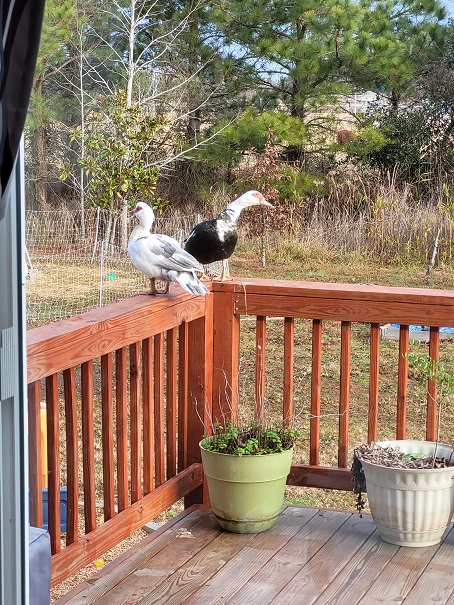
(410, 484)
(246, 470)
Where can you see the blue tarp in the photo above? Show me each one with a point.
(424, 328)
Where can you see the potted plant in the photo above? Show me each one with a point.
(410, 484)
(246, 469)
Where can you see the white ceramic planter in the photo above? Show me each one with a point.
(411, 507)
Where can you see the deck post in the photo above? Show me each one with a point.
(199, 381)
(226, 357)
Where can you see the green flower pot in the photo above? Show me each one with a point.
(246, 492)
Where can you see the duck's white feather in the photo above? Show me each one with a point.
(161, 257)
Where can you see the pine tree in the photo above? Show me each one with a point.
(308, 52)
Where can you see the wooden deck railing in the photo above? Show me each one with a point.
(129, 390)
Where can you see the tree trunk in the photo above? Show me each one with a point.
(40, 142)
(131, 40)
(193, 128)
(124, 227)
(297, 107)
(395, 98)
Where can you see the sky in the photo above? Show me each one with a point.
(449, 7)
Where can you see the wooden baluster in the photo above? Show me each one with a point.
(289, 348)
(183, 396)
(374, 372)
(159, 424)
(72, 456)
(260, 368)
(121, 417)
(171, 402)
(35, 463)
(344, 396)
(315, 392)
(431, 417)
(88, 446)
(53, 461)
(148, 415)
(402, 382)
(107, 436)
(135, 432)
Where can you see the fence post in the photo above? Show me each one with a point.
(199, 381)
(101, 276)
(96, 236)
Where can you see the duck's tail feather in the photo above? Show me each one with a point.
(192, 284)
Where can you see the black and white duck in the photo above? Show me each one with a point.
(215, 239)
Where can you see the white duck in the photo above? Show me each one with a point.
(161, 257)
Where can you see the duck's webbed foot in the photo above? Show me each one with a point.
(153, 289)
(166, 289)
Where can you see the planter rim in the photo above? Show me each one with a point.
(396, 442)
(243, 455)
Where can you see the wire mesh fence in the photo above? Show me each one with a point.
(76, 262)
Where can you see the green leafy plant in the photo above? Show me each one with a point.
(254, 439)
(122, 144)
(412, 456)
(425, 368)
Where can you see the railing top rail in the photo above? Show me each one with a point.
(334, 290)
(341, 302)
(73, 341)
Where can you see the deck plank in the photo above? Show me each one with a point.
(181, 548)
(399, 576)
(264, 587)
(440, 589)
(247, 563)
(178, 587)
(310, 556)
(360, 572)
(117, 571)
(320, 570)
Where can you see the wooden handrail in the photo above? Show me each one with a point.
(341, 302)
(121, 346)
(146, 377)
(70, 342)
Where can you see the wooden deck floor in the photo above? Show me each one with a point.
(309, 556)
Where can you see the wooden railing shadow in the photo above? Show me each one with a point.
(130, 389)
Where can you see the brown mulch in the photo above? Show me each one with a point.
(393, 457)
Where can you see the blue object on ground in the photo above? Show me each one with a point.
(63, 503)
(424, 328)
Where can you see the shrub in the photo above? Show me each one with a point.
(255, 439)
